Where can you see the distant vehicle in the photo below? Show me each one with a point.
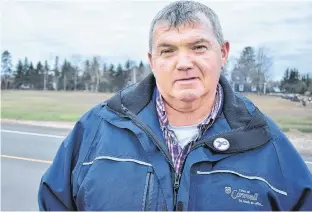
(288, 96)
(295, 99)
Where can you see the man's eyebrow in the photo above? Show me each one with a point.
(165, 45)
(201, 40)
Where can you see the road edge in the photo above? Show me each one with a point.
(52, 124)
(69, 125)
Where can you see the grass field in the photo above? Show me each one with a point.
(69, 106)
(288, 115)
(48, 105)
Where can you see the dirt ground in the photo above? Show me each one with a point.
(278, 107)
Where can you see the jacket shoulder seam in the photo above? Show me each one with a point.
(274, 139)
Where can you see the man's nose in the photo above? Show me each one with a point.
(184, 62)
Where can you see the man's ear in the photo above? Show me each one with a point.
(150, 58)
(225, 49)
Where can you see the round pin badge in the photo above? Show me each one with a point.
(221, 144)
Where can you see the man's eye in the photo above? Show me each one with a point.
(200, 48)
(166, 51)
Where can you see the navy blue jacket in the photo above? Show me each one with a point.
(116, 158)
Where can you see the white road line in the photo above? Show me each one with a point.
(26, 159)
(59, 136)
(49, 162)
(34, 134)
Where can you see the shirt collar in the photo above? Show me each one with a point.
(163, 118)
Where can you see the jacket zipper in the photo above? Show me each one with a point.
(149, 132)
(177, 178)
(148, 191)
(156, 141)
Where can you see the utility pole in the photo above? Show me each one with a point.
(64, 82)
(134, 75)
(45, 80)
(76, 70)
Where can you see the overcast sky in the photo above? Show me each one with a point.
(118, 30)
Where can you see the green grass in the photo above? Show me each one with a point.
(285, 129)
(47, 106)
(288, 123)
(286, 114)
(42, 115)
(291, 120)
(70, 106)
(305, 129)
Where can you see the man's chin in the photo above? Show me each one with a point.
(188, 96)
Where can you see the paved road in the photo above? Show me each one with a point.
(26, 152)
(20, 176)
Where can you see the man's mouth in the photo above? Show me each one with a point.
(187, 79)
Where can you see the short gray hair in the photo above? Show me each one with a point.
(181, 12)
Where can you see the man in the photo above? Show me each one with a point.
(181, 139)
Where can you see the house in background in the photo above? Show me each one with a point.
(242, 83)
(248, 81)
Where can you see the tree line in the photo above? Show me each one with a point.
(294, 82)
(252, 68)
(94, 76)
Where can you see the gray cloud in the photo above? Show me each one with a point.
(118, 30)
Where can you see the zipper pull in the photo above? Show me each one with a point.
(176, 185)
(124, 108)
(177, 177)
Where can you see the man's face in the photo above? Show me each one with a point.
(187, 60)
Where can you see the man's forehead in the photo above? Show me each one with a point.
(197, 32)
(164, 25)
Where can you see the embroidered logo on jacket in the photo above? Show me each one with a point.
(243, 196)
(228, 190)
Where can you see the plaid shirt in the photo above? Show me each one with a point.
(178, 154)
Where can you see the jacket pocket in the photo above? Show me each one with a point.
(148, 190)
(116, 183)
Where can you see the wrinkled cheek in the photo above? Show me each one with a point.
(211, 66)
(165, 67)
(164, 76)
(210, 72)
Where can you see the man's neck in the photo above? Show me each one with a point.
(189, 113)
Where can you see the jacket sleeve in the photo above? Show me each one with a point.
(297, 176)
(55, 189)
(59, 185)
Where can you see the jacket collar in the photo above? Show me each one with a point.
(245, 126)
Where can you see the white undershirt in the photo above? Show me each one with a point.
(184, 134)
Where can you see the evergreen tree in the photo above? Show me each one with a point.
(18, 75)
(38, 80)
(6, 69)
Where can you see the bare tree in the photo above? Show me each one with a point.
(264, 63)
(87, 75)
(96, 75)
(56, 74)
(45, 75)
(77, 63)
(76, 70)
